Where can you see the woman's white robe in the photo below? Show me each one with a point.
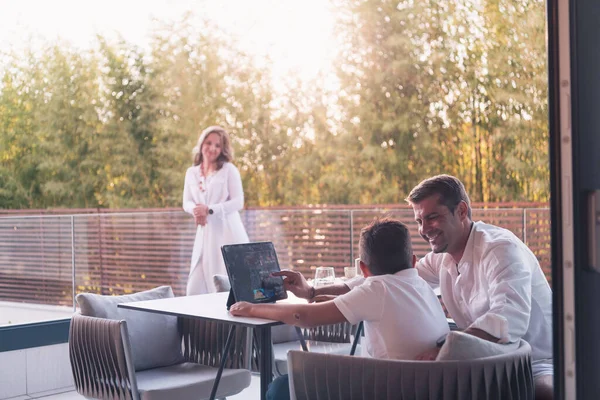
(225, 196)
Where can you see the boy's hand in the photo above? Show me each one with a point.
(295, 283)
(241, 309)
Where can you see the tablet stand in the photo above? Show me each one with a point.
(231, 299)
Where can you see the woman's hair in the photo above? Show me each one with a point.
(226, 150)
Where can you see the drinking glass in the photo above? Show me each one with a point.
(349, 272)
(324, 276)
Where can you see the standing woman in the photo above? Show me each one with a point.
(213, 194)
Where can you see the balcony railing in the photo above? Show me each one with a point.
(48, 259)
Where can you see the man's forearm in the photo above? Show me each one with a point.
(334, 290)
(481, 334)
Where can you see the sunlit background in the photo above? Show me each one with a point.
(297, 36)
(326, 101)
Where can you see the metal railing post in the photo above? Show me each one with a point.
(351, 238)
(73, 259)
(525, 225)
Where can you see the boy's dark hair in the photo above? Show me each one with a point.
(385, 246)
(450, 189)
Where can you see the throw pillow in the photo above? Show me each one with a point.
(221, 283)
(462, 346)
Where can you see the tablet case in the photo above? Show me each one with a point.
(249, 267)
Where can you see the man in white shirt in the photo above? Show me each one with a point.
(401, 313)
(490, 282)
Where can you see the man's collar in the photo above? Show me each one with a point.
(468, 252)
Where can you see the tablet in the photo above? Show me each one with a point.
(249, 266)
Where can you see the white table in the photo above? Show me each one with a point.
(212, 307)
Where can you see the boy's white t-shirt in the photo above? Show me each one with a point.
(402, 315)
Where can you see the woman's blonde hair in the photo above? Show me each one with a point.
(226, 150)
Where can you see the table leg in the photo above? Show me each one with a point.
(213, 392)
(265, 361)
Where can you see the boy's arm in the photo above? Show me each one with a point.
(295, 282)
(302, 315)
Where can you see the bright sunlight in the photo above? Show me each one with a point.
(297, 36)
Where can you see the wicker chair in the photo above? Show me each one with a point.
(104, 363)
(325, 376)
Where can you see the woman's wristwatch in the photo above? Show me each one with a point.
(210, 211)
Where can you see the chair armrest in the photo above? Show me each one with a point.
(99, 359)
(203, 343)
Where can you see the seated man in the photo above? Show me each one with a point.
(401, 313)
(490, 281)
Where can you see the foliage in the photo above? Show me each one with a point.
(425, 87)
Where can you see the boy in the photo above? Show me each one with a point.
(401, 313)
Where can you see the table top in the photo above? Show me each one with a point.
(210, 306)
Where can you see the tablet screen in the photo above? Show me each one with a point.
(249, 266)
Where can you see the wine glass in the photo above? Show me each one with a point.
(324, 276)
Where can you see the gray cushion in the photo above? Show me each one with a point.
(221, 283)
(284, 333)
(462, 346)
(280, 351)
(189, 381)
(155, 340)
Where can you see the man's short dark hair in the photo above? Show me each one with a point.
(451, 192)
(385, 246)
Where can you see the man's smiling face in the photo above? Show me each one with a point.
(440, 227)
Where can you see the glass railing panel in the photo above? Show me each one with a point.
(46, 260)
(36, 274)
(304, 239)
(123, 253)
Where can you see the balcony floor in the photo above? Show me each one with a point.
(250, 393)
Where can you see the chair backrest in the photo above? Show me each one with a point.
(221, 282)
(506, 376)
(99, 360)
(151, 347)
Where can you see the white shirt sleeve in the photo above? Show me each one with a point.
(363, 303)
(428, 271)
(235, 201)
(509, 293)
(188, 201)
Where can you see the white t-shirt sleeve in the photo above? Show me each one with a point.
(509, 294)
(354, 282)
(362, 303)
